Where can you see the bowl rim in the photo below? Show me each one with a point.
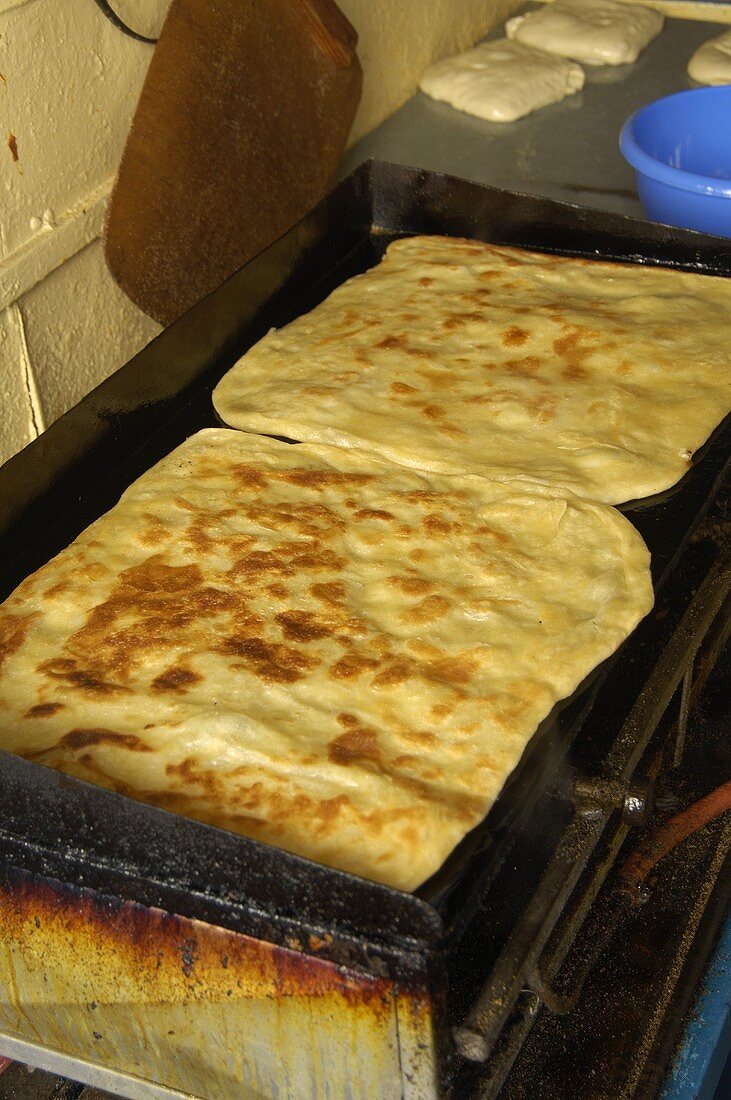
(657, 170)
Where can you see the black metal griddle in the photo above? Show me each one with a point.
(494, 926)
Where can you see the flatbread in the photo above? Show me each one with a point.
(596, 32)
(276, 639)
(501, 81)
(711, 62)
(456, 355)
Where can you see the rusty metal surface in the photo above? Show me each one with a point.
(198, 1009)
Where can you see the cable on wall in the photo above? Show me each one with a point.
(106, 9)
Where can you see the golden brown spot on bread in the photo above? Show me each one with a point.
(391, 342)
(437, 526)
(175, 679)
(455, 670)
(575, 372)
(351, 665)
(269, 661)
(250, 476)
(66, 669)
(514, 336)
(329, 592)
(260, 563)
(402, 387)
(398, 672)
(359, 743)
(302, 626)
(347, 720)
(189, 771)
(423, 738)
(57, 589)
(152, 604)
(438, 379)
(85, 738)
(405, 760)
(569, 348)
(304, 519)
(477, 297)
(13, 631)
(279, 591)
(427, 610)
(43, 710)
(426, 280)
(154, 576)
(441, 710)
(153, 535)
(455, 319)
(525, 367)
(322, 479)
(285, 560)
(373, 513)
(495, 536)
(328, 809)
(410, 583)
(318, 561)
(432, 412)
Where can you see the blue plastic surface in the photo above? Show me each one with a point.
(680, 148)
(699, 1071)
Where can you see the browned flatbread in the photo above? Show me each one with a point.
(453, 355)
(318, 648)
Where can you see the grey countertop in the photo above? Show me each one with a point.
(567, 151)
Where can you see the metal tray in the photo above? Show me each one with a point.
(84, 835)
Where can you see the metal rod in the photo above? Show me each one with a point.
(683, 713)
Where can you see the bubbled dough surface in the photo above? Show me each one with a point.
(455, 355)
(275, 639)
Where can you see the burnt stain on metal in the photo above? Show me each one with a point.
(13, 147)
(82, 930)
(187, 951)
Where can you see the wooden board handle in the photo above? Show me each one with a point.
(331, 30)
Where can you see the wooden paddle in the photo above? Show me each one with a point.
(241, 123)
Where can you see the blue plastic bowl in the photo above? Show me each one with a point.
(680, 147)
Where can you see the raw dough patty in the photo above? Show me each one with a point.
(501, 81)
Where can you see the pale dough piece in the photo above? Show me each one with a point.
(501, 81)
(596, 32)
(275, 639)
(711, 62)
(457, 355)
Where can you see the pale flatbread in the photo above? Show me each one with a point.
(501, 81)
(457, 355)
(320, 649)
(711, 62)
(596, 32)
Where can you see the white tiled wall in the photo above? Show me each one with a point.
(69, 83)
